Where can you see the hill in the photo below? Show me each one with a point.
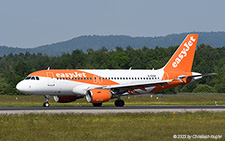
(215, 39)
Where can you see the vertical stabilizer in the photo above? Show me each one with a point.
(182, 59)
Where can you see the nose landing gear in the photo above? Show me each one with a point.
(46, 104)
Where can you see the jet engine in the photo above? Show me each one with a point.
(66, 99)
(98, 95)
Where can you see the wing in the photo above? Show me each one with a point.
(146, 84)
(121, 88)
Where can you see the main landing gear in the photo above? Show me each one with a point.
(119, 102)
(46, 104)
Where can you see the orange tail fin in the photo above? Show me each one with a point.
(182, 59)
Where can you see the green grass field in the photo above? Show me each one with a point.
(123, 126)
(178, 99)
(127, 126)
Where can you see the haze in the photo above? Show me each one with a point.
(28, 24)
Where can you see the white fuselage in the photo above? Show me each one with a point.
(67, 85)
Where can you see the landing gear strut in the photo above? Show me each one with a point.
(119, 102)
(46, 104)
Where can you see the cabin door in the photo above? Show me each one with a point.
(51, 81)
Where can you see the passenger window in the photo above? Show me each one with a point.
(32, 78)
(81, 78)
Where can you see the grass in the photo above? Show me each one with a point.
(125, 126)
(179, 99)
(122, 126)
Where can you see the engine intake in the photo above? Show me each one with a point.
(98, 95)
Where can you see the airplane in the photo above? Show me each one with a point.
(99, 86)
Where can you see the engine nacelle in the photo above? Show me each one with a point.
(65, 99)
(98, 95)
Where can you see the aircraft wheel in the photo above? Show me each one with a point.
(46, 104)
(97, 104)
(119, 103)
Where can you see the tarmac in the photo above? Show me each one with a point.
(111, 109)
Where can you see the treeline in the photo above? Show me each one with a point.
(14, 68)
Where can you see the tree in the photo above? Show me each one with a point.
(119, 60)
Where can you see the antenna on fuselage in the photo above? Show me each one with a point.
(130, 68)
(48, 68)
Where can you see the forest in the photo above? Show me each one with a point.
(15, 67)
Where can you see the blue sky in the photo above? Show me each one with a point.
(29, 23)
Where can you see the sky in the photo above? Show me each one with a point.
(30, 23)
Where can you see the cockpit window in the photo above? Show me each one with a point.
(27, 78)
(32, 78)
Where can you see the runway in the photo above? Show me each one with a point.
(111, 109)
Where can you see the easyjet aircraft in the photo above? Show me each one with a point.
(98, 86)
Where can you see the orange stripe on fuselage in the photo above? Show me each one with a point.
(95, 79)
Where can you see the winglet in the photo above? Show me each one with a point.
(182, 59)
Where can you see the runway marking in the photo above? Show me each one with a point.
(101, 110)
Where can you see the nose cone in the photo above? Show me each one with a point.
(20, 87)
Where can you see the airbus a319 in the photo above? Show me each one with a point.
(99, 86)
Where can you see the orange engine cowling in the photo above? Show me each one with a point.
(65, 99)
(98, 95)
